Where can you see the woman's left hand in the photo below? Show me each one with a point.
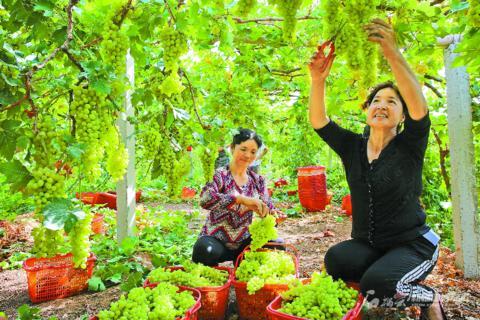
(382, 32)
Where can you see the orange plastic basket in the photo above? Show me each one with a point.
(214, 299)
(192, 313)
(87, 197)
(54, 278)
(97, 224)
(254, 306)
(273, 314)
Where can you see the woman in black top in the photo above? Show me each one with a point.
(392, 248)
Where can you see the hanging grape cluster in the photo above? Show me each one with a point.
(474, 13)
(207, 157)
(288, 10)
(48, 141)
(244, 7)
(346, 19)
(46, 242)
(46, 185)
(150, 140)
(116, 154)
(93, 119)
(79, 237)
(174, 45)
(113, 50)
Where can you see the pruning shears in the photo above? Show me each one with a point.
(330, 45)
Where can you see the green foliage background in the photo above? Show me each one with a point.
(239, 71)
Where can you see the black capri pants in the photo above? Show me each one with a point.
(387, 277)
(210, 251)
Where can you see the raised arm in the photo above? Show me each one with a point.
(319, 69)
(382, 33)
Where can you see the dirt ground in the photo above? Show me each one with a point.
(312, 235)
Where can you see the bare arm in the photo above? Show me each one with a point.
(381, 32)
(319, 70)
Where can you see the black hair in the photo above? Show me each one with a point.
(244, 135)
(381, 86)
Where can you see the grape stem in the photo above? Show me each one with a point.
(30, 73)
(268, 20)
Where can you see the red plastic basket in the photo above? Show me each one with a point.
(312, 188)
(214, 299)
(54, 278)
(87, 197)
(347, 205)
(273, 314)
(97, 224)
(138, 194)
(254, 306)
(188, 193)
(192, 313)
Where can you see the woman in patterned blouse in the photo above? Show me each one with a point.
(235, 193)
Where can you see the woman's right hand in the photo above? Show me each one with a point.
(320, 65)
(256, 205)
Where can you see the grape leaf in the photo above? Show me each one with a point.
(17, 175)
(96, 284)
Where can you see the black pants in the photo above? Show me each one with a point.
(210, 251)
(388, 278)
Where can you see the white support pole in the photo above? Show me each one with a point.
(126, 187)
(464, 196)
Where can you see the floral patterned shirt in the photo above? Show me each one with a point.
(227, 220)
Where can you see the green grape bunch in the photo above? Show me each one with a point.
(321, 299)
(265, 267)
(46, 242)
(208, 160)
(345, 20)
(244, 7)
(261, 231)
(46, 185)
(117, 155)
(193, 275)
(114, 46)
(48, 141)
(79, 237)
(174, 44)
(150, 140)
(288, 10)
(163, 302)
(474, 13)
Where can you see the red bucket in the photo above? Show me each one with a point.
(347, 204)
(254, 306)
(312, 188)
(214, 299)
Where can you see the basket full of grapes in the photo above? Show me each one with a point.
(319, 298)
(158, 302)
(56, 277)
(212, 282)
(261, 275)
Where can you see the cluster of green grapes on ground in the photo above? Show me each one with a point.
(192, 275)
(321, 299)
(164, 302)
(259, 268)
